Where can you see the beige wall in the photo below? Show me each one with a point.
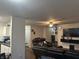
(40, 31)
(60, 33)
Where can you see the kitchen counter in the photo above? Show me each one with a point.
(6, 44)
(58, 53)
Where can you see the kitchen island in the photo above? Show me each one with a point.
(54, 52)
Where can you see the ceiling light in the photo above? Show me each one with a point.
(51, 24)
(60, 27)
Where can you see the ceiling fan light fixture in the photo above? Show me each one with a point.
(51, 24)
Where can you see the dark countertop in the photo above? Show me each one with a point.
(60, 51)
(6, 44)
(55, 48)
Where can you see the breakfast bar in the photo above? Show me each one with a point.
(53, 52)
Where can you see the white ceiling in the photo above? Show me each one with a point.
(41, 10)
(4, 20)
